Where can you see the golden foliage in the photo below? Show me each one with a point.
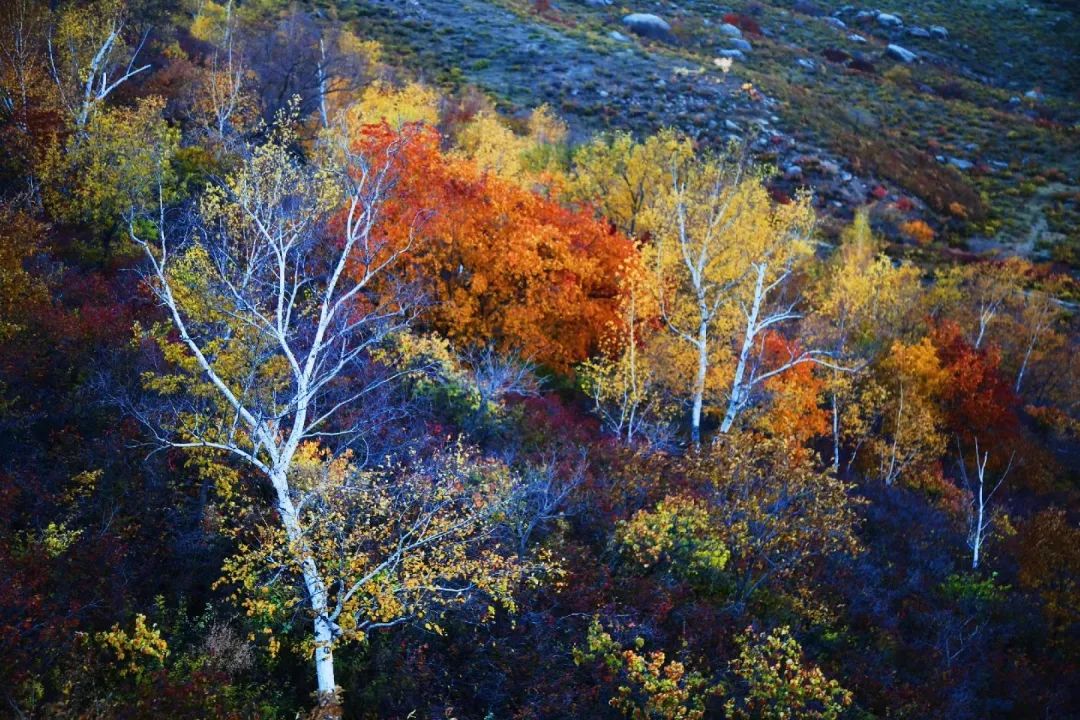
(397, 543)
(778, 684)
(138, 652)
(651, 686)
(396, 107)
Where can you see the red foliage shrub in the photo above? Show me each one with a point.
(503, 265)
(780, 196)
(980, 402)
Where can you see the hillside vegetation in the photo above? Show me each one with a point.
(514, 359)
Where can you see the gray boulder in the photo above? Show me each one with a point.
(939, 32)
(901, 53)
(915, 31)
(740, 44)
(730, 30)
(648, 25)
(889, 20)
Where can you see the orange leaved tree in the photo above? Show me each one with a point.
(503, 266)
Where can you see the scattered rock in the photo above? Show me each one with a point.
(961, 164)
(730, 30)
(807, 64)
(740, 44)
(836, 22)
(793, 172)
(1034, 95)
(648, 25)
(732, 126)
(939, 32)
(915, 31)
(733, 54)
(861, 118)
(889, 20)
(900, 53)
(865, 15)
(856, 38)
(618, 36)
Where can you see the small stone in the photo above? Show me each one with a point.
(732, 126)
(889, 20)
(836, 22)
(960, 163)
(793, 172)
(740, 44)
(618, 36)
(856, 38)
(730, 30)
(733, 54)
(939, 32)
(648, 25)
(918, 32)
(807, 64)
(901, 53)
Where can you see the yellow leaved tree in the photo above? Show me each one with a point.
(275, 312)
(862, 301)
(623, 177)
(722, 255)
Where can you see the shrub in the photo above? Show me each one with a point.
(918, 231)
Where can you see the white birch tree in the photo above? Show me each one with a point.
(276, 296)
(982, 488)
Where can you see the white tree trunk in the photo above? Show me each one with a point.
(316, 590)
(699, 381)
(835, 434)
(738, 389)
(324, 660)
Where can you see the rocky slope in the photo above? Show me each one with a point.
(963, 114)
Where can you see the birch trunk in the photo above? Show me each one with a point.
(736, 400)
(699, 381)
(316, 590)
